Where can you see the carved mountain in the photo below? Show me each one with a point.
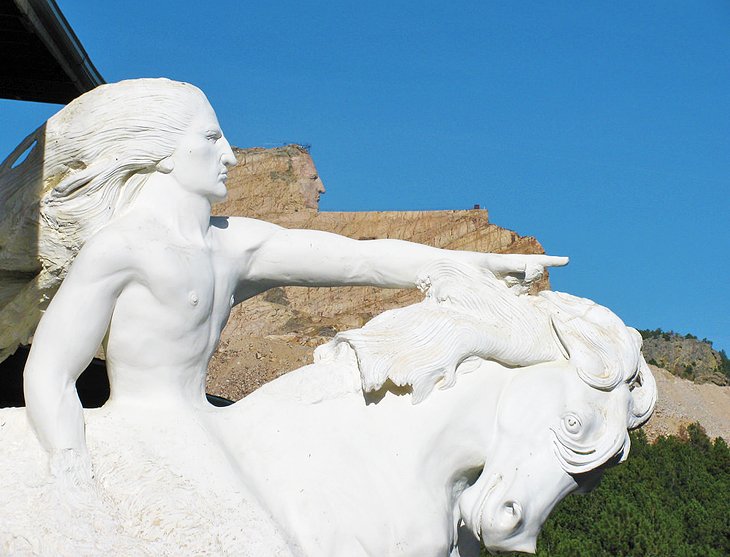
(276, 332)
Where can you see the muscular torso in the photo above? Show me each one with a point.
(168, 317)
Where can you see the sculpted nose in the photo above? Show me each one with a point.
(503, 526)
(509, 516)
(506, 530)
(318, 185)
(227, 156)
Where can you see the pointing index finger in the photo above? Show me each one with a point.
(553, 261)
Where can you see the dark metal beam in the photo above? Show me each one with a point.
(41, 58)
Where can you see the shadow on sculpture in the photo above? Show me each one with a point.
(535, 391)
(92, 385)
(29, 275)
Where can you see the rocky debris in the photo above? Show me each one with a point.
(686, 356)
(682, 402)
(239, 369)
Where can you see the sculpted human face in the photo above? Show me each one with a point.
(203, 156)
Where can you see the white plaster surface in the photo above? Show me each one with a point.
(465, 416)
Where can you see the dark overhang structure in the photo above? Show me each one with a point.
(41, 58)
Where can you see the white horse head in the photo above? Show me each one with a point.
(559, 424)
(555, 433)
(578, 385)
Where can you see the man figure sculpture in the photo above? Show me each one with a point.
(157, 277)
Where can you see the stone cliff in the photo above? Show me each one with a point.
(682, 402)
(686, 356)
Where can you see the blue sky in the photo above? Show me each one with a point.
(602, 129)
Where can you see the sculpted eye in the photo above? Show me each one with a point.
(213, 135)
(572, 424)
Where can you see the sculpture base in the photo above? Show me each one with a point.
(156, 491)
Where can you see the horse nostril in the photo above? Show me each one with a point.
(511, 518)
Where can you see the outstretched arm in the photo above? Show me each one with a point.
(314, 258)
(67, 337)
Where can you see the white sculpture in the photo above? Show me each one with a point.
(132, 169)
(493, 450)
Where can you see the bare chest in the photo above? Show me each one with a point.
(183, 283)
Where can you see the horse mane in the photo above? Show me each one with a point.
(467, 315)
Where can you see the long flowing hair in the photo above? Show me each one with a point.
(83, 166)
(105, 144)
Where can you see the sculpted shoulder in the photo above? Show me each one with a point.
(113, 251)
(238, 236)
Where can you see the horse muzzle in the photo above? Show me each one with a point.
(495, 518)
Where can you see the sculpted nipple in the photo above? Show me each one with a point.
(193, 298)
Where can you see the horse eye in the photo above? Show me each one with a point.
(572, 423)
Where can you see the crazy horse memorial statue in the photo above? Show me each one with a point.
(461, 418)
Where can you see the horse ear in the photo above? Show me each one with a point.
(559, 337)
(643, 396)
(586, 354)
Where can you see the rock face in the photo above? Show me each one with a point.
(686, 357)
(682, 402)
(265, 182)
(277, 331)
